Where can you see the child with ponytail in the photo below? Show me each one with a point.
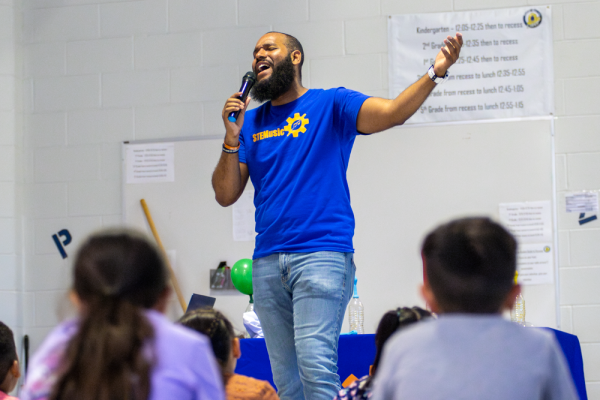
(121, 347)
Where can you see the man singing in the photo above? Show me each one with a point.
(295, 147)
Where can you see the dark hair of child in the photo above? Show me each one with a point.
(391, 322)
(217, 327)
(470, 265)
(117, 274)
(8, 351)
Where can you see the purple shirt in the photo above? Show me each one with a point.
(185, 367)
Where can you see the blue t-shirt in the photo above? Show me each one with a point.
(297, 155)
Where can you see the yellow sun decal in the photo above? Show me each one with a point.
(296, 124)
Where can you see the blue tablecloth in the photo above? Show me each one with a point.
(356, 354)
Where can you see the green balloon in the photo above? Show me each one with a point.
(241, 275)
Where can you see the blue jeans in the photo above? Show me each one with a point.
(300, 299)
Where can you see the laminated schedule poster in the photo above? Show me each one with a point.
(505, 69)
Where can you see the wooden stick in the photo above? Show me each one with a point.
(159, 242)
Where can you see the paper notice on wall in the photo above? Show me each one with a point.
(153, 162)
(535, 263)
(529, 222)
(243, 218)
(505, 68)
(582, 202)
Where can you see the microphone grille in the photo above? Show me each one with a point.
(250, 75)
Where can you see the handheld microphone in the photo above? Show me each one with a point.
(247, 82)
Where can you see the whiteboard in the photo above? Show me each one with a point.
(403, 183)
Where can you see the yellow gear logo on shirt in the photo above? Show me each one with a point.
(296, 124)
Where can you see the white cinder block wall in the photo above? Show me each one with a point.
(97, 72)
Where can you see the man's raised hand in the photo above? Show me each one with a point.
(448, 54)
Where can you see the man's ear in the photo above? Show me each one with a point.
(235, 348)
(429, 297)
(296, 56)
(511, 297)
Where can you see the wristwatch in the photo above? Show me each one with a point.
(436, 79)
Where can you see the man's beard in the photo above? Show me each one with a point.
(278, 83)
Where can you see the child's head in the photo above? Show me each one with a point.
(220, 332)
(9, 366)
(391, 322)
(470, 266)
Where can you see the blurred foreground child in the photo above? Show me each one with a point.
(471, 351)
(227, 350)
(121, 346)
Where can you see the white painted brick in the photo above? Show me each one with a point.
(28, 310)
(584, 246)
(65, 93)
(579, 286)
(558, 29)
(582, 170)
(580, 20)
(460, 5)
(563, 249)
(79, 228)
(49, 200)
(7, 236)
(592, 390)
(580, 95)
(46, 129)
(66, 164)
(165, 51)
(577, 134)
(48, 272)
(27, 89)
(7, 128)
(573, 58)
(311, 36)
(566, 320)
(7, 19)
(45, 59)
(338, 9)
(7, 164)
(7, 199)
(204, 84)
(112, 221)
(8, 311)
(586, 323)
(561, 172)
(8, 272)
(7, 93)
(168, 121)
(37, 334)
(63, 3)
(352, 72)
(95, 56)
(269, 12)
(62, 24)
(125, 89)
(94, 198)
(366, 36)
(230, 46)
(559, 97)
(52, 307)
(100, 126)
(192, 15)
(591, 361)
(213, 122)
(110, 161)
(7, 56)
(391, 7)
(133, 18)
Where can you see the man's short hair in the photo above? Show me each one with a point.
(8, 351)
(470, 265)
(293, 44)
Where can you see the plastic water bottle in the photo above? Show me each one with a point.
(518, 311)
(356, 312)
